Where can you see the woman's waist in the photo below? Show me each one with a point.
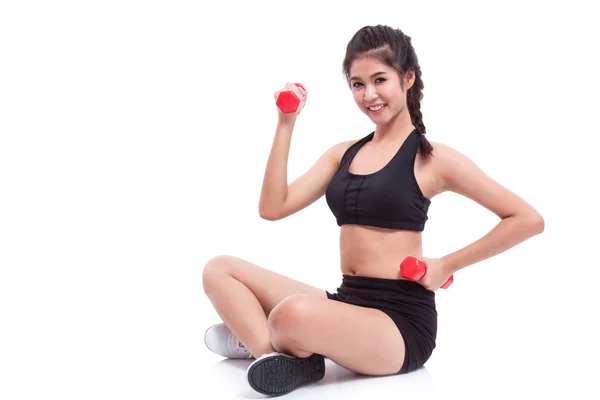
(375, 256)
(375, 268)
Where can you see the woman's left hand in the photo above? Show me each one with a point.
(437, 274)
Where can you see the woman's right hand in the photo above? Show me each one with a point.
(300, 92)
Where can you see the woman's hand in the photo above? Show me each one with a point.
(437, 274)
(300, 92)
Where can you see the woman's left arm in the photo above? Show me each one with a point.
(519, 220)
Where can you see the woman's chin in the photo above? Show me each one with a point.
(377, 120)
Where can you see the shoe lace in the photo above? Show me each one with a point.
(237, 346)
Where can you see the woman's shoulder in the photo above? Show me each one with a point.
(340, 149)
(439, 147)
(444, 154)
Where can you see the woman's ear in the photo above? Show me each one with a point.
(409, 79)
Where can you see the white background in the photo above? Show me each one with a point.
(133, 141)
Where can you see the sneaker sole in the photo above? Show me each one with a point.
(278, 375)
(206, 333)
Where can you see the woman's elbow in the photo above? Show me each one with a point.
(536, 221)
(267, 215)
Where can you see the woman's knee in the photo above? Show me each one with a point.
(214, 270)
(287, 316)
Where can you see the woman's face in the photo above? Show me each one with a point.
(376, 89)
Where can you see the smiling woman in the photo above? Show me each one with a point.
(373, 101)
(379, 192)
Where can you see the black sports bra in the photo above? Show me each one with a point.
(388, 198)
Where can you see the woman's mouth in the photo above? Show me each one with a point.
(377, 109)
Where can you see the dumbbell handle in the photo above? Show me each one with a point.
(412, 268)
(288, 101)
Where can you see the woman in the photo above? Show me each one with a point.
(377, 323)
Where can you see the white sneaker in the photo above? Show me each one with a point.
(219, 339)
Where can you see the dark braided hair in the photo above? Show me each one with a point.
(393, 48)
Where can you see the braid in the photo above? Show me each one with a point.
(415, 93)
(414, 97)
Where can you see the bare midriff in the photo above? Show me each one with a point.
(376, 252)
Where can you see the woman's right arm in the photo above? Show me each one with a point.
(278, 199)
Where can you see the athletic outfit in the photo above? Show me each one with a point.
(388, 198)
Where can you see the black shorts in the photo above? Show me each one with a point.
(407, 303)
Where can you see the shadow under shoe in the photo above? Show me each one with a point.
(277, 373)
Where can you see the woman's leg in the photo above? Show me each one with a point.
(364, 340)
(243, 294)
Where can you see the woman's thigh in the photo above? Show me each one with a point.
(361, 339)
(269, 287)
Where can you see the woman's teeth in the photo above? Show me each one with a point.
(377, 108)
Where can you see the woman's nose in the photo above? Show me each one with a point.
(370, 93)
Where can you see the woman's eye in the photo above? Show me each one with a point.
(378, 80)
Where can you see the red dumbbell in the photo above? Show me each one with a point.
(287, 101)
(412, 268)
